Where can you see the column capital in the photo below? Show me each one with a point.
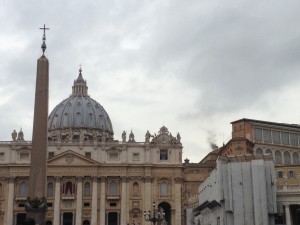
(178, 180)
(58, 178)
(147, 179)
(102, 178)
(125, 179)
(11, 179)
(94, 179)
(79, 179)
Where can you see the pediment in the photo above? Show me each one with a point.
(71, 158)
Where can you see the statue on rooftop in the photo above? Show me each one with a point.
(124, 136)
(147, 136)
(21, 135)
(14, 135)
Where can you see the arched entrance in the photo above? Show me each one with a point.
(86, 222)
(167, 210)
(295, 214)
(48, 222)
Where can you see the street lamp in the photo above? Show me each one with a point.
(133, 223)
(156, 216)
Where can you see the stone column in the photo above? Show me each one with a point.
(94, 202)
(287, 215)
(102, 200)
(10, 202)
(123, 201)
(57, 201)
(148, 193)
(79, 201)
(73, 221)
(177, 197)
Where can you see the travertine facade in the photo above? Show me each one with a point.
(91, 177)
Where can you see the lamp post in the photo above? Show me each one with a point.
(133, 223)
(155, 216)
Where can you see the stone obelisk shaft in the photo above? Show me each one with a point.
(38, 166)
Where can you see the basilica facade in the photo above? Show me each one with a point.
(93, 178)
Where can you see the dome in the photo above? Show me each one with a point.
(80, 112)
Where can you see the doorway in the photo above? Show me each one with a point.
(67, 219)
(112, 218)
(20, 218)
(167, 210)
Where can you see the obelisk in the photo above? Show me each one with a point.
(36, 204)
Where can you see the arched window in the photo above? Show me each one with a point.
(269, 151)
(295, 158)
(69, 188)
(163, 188)
(87, 189)
(135, 188)
(50, 189)
(259, 152)
(278, 157)
(113, 188)
(23, 189)
(287, 158)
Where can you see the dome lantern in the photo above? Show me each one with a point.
(80, 87)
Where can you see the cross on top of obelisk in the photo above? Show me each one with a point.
(44, 38)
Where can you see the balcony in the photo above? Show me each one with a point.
(21, 198)
(68, 197)
(113, 197)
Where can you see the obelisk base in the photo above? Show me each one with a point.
(38, 217)
(36, 209)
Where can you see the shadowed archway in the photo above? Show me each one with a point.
(167, 210)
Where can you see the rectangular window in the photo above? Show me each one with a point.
(113, 156)
(267, 136)
(279, 174)
(294, 139)
(285, 138)
(86, 204)
(49, 204)
(112, 204)
(276, 137)
(163, 154)
(50, 155)
(1, 156)
(135, 156)
(88, 155)
(257, 134)
(291, 174)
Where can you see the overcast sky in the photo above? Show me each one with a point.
(193, 66)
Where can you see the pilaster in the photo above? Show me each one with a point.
(57, 201)
(10, 202)
(94, 201)
(102, 200)
(79, 201)
(287, 215)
